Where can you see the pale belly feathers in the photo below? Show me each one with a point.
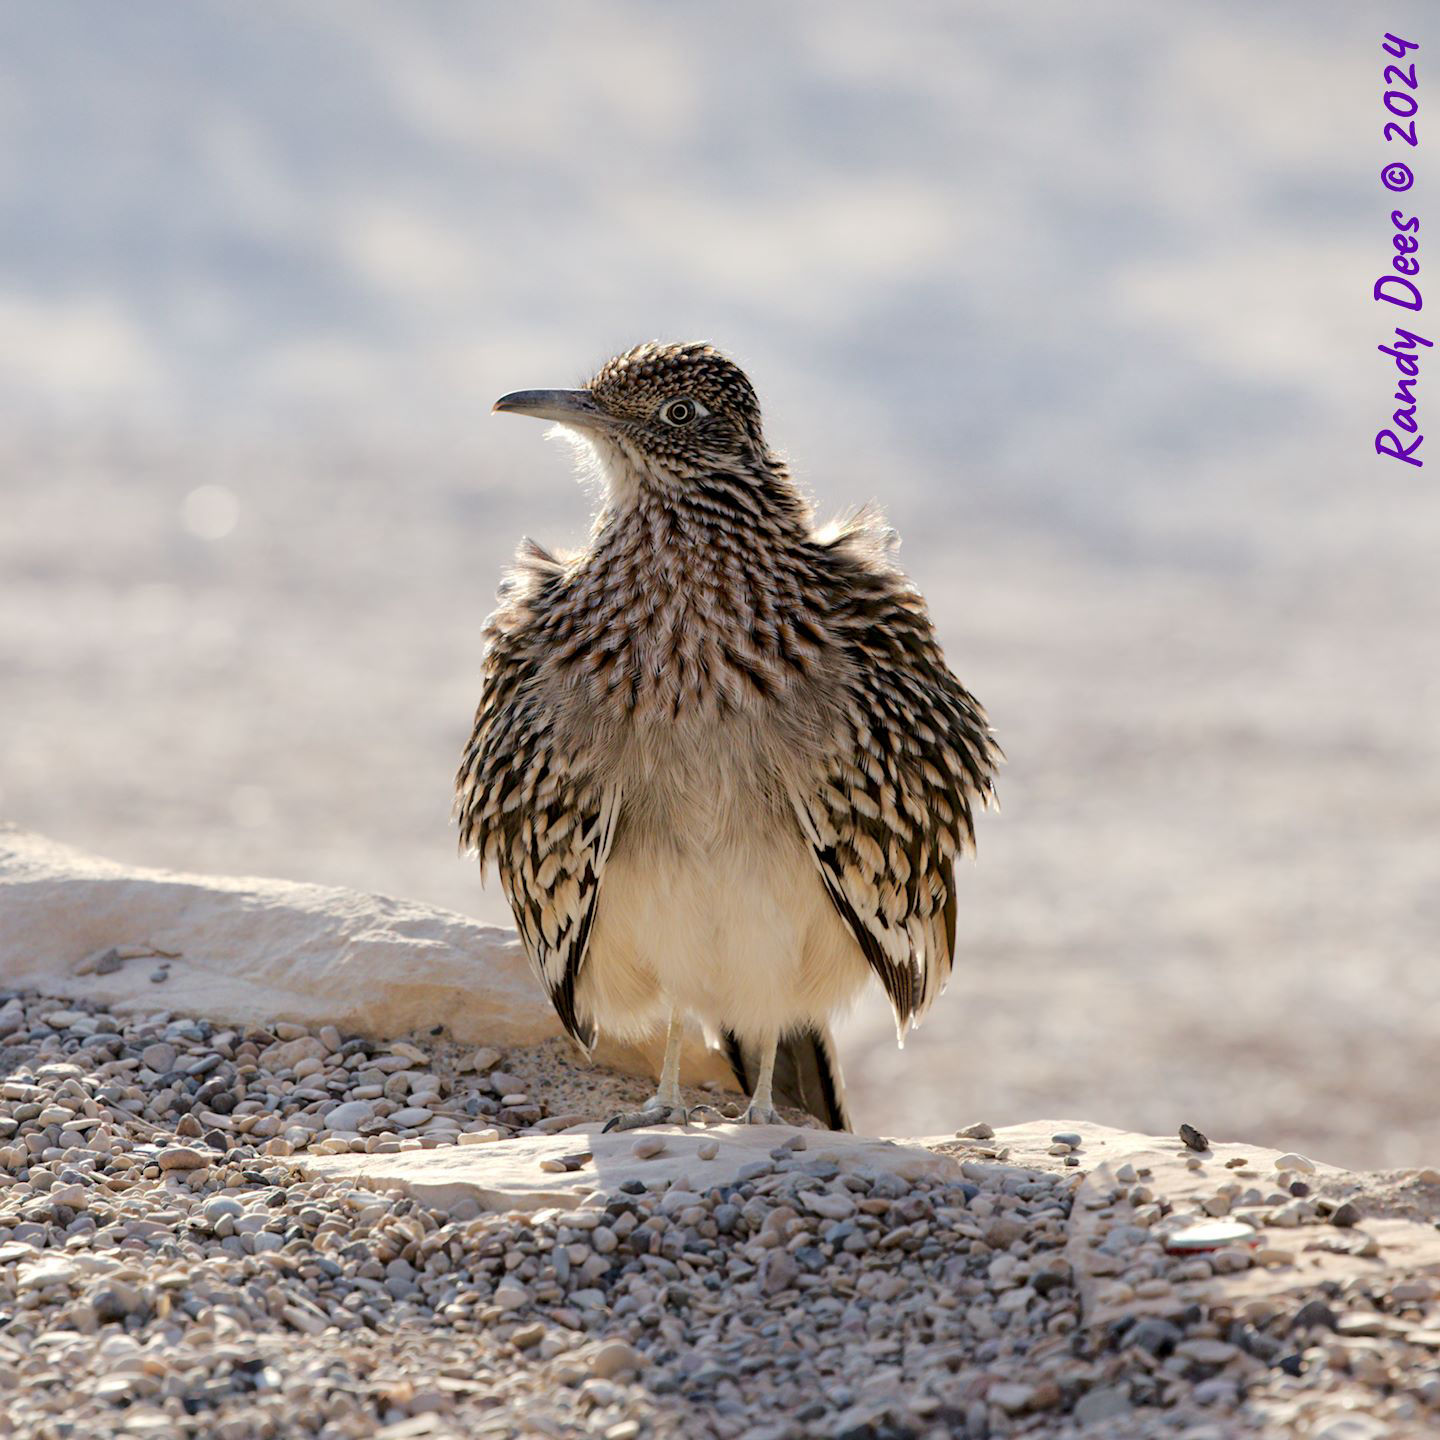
(711, 901)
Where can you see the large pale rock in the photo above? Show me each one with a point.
(1403, 1245)
(238, 951)
(241, 950)
(507, 1174)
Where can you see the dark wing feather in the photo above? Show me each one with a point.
(520, 807)
(894, 805)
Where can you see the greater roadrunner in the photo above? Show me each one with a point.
(719, 760)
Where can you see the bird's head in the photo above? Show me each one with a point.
(665, 411)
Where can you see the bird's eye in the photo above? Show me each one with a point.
(682, 412)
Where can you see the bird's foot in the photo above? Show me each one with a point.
(656, 1113)
(760, 1115)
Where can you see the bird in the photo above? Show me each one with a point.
(718, 760)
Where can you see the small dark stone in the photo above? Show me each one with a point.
(632, 1187)
(110, 1309)
(1313, 1312)
(892, 1430)
(1293, 1364)
(1262, 1347)
(1299, 1189)
(1248, 1338)
(1194, 1138)
(1346, 1215)
(1158, 1337)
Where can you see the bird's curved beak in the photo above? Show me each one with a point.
(569, 407)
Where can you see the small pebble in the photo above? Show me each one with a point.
(477, 1137)
(159, 1058)
(1346, 1215)
(646, 1147)
(1295, 1162)
(181, 1157)
(1207, 1352)
(708, 1149)
(1193, 1138)
(1210, 1235)
(350, 1116)
(511, 1295)
(613, 1357)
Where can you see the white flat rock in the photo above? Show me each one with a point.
(248, 950)
(239, 951)
(507, 1175)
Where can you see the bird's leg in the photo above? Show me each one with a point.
(657, 1108)
(760, 1110)
(668, 1095)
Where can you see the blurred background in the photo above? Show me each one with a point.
(1080, 294)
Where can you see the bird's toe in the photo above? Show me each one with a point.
(760, 1115)
(635, 1119)
(706, 1114)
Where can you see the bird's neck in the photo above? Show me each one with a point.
(750, 493)
(693, 588)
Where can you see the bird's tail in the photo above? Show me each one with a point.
(807, 1073)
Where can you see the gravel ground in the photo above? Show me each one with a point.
(164, 1271)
